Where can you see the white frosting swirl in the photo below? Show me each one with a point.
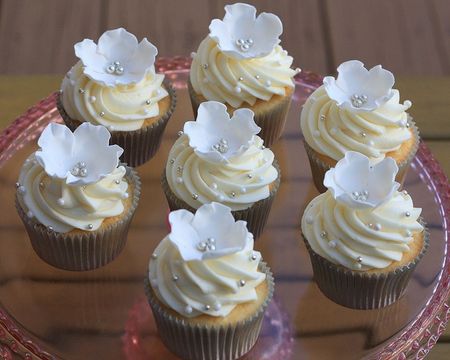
(66, 207)
(219, 77)
(192, 287)
(332, 131)
(379, 236)
(238, 183)
(124, 107)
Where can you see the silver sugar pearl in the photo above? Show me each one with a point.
(250, 176)
(195, 196)
(241, 78)
(90, 226)
(332, 244)
(117, 181)
(253, 257)
(102, 113)
(175, 277)
(377, 227)
(81, 91)
(408, 233)
(205, 66)
(232, 194)
(323, 234)
(242, 283)
(407, 214)
(188, 309)
(359, 259)
(148, 102)
(154, 256)
(179, 133)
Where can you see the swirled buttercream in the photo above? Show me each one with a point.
(120, 107)
(237, 183)
(332, 131)
(65, 207)
(213, 286)
(361, 239)
(222, 78)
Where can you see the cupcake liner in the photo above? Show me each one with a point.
(271, 119)
(139, 145)
(208, 342)
(82, 251)
(319, 167)
(256, 215)
(359, 289)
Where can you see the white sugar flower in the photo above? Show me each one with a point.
(358, 183)
(359, 89)
(82, 157)
(211, 233)
(118, 59)
(215, 136)
(242, 35)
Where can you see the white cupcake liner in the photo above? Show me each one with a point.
(359, 289)
(256, 215)
(208, 342)
(319, 167)
(87, 250)
(139, 145)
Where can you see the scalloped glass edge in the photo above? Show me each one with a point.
(416, 339)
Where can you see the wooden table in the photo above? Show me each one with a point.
(431, 109)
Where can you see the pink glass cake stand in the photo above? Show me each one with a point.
(46, 313)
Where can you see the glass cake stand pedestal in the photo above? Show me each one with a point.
(46, 313)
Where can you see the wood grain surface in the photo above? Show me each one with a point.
(410, 37)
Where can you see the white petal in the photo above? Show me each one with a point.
(183, 235)
(117, 45)
(56, 143)
(143, 59)
(92, 147)
(86, 51)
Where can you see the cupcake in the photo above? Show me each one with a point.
(364, 237)
(74, 198)
(358, 111)
(219, 158)
(114, 84)
(207, 288)
(241, 65)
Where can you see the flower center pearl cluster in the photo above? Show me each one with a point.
(360, 195)
(208, 245)
(244, 44)
(115, 68)
(79, 169)
(221, 146)
(358, 100)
